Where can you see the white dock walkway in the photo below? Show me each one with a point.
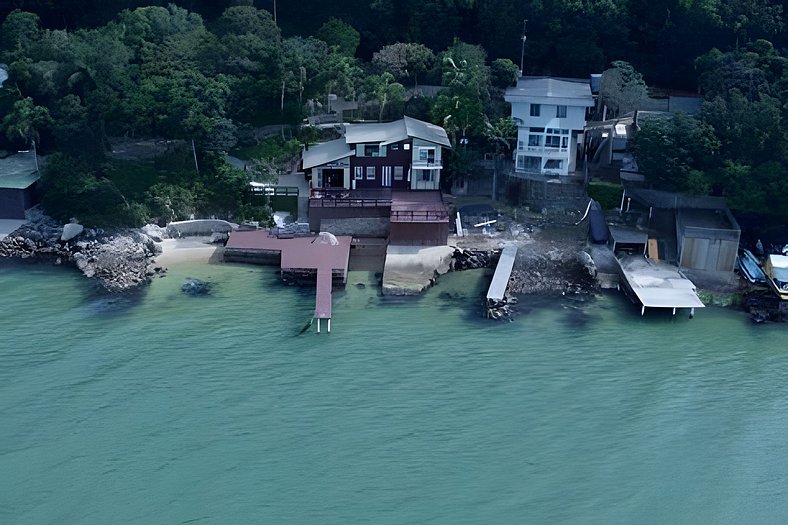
(503, 270)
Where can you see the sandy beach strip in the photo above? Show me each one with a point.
(188, 250)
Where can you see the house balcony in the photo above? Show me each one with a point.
(427, 165)
(547, 151)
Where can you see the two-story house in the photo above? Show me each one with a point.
(550, 115)
(380, 180)
(405, 154)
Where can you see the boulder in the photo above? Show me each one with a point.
(155, 232)
(71, 230)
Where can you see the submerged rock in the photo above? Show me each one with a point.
(196, 287)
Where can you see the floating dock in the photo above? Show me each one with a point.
(655, 284)
(310, 258)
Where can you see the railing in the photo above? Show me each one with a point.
(421, 164)
(419, 215)
(278, 191)
(342, 198)
(546, 149)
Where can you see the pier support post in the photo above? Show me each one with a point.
(674, 311)
(329, 326)
(642, 313)
(318, 326)
(692, 312)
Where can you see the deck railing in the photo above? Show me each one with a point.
(342, 198)
(419, 215)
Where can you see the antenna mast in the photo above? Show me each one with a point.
(522, 50)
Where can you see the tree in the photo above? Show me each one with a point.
(404, 60)
(676, 153)
(18, 34)
(503, 73)
(340, 36)
(25, 122)
(622, 89)
(385, 91)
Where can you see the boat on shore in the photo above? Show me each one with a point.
(750, 268)
(776, 269)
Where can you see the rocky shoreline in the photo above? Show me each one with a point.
(118, 260)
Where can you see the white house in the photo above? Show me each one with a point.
(550, 114)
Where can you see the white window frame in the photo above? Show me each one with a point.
(371, 171)
(399, 172)
(358, 173)
(560, 112)
(536, 110)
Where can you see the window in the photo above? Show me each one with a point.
(536, 110)
(359, 173)
(534, 140)
(406, 146)
(564, 132)
(394, 147)
(426, 175)
(370, 172)
(371, 150)
(520, 162)
(560, 111)
(387, 171)
(553, 164)
(552, 141)
(564, 142)
(427, 154)
(399, 172)
(533, 163)
(520, 145)
(536, 130)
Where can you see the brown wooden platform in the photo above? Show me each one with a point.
(301, 255)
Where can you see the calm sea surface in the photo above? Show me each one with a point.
(163, 408)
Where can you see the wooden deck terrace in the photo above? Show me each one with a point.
(342, 198)
(301, 256)
(418, 206)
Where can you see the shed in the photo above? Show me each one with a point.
(708, 239)
(627, 239)
(18, 176)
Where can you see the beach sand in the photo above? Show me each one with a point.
(188, 250)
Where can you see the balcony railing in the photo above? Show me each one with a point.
(426, 164)
(419, 215)
(546, 149)
(342, 198)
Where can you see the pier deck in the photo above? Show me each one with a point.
(301, 256)
(503, 271)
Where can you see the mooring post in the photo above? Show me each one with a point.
(692, 312)
(329, 325)
(642, 313)
(318, 325)
(674, 310)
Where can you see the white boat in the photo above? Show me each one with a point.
(776, 269)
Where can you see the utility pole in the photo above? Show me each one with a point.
(275, 12)
(522, 49)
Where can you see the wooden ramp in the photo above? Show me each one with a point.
(503, 270)
(323, 297)
(655, 284)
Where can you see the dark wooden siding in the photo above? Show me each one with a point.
(398, 157)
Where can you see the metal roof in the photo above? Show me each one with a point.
(326, 152)
(18, 171)
(579, 92)
(669, 200)
(399, 130)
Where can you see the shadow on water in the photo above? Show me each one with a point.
(99, 302)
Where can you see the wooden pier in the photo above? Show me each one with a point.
(309, 258)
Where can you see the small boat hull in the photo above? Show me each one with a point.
(750, 268)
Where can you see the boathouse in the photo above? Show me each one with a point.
(695, 232)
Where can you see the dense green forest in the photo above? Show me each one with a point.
(211, 72)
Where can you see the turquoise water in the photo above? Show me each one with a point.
(164, 408)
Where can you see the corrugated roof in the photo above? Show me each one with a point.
(326, 152)
(18, 171)
(552, 88)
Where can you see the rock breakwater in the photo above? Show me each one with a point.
(118, 260)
